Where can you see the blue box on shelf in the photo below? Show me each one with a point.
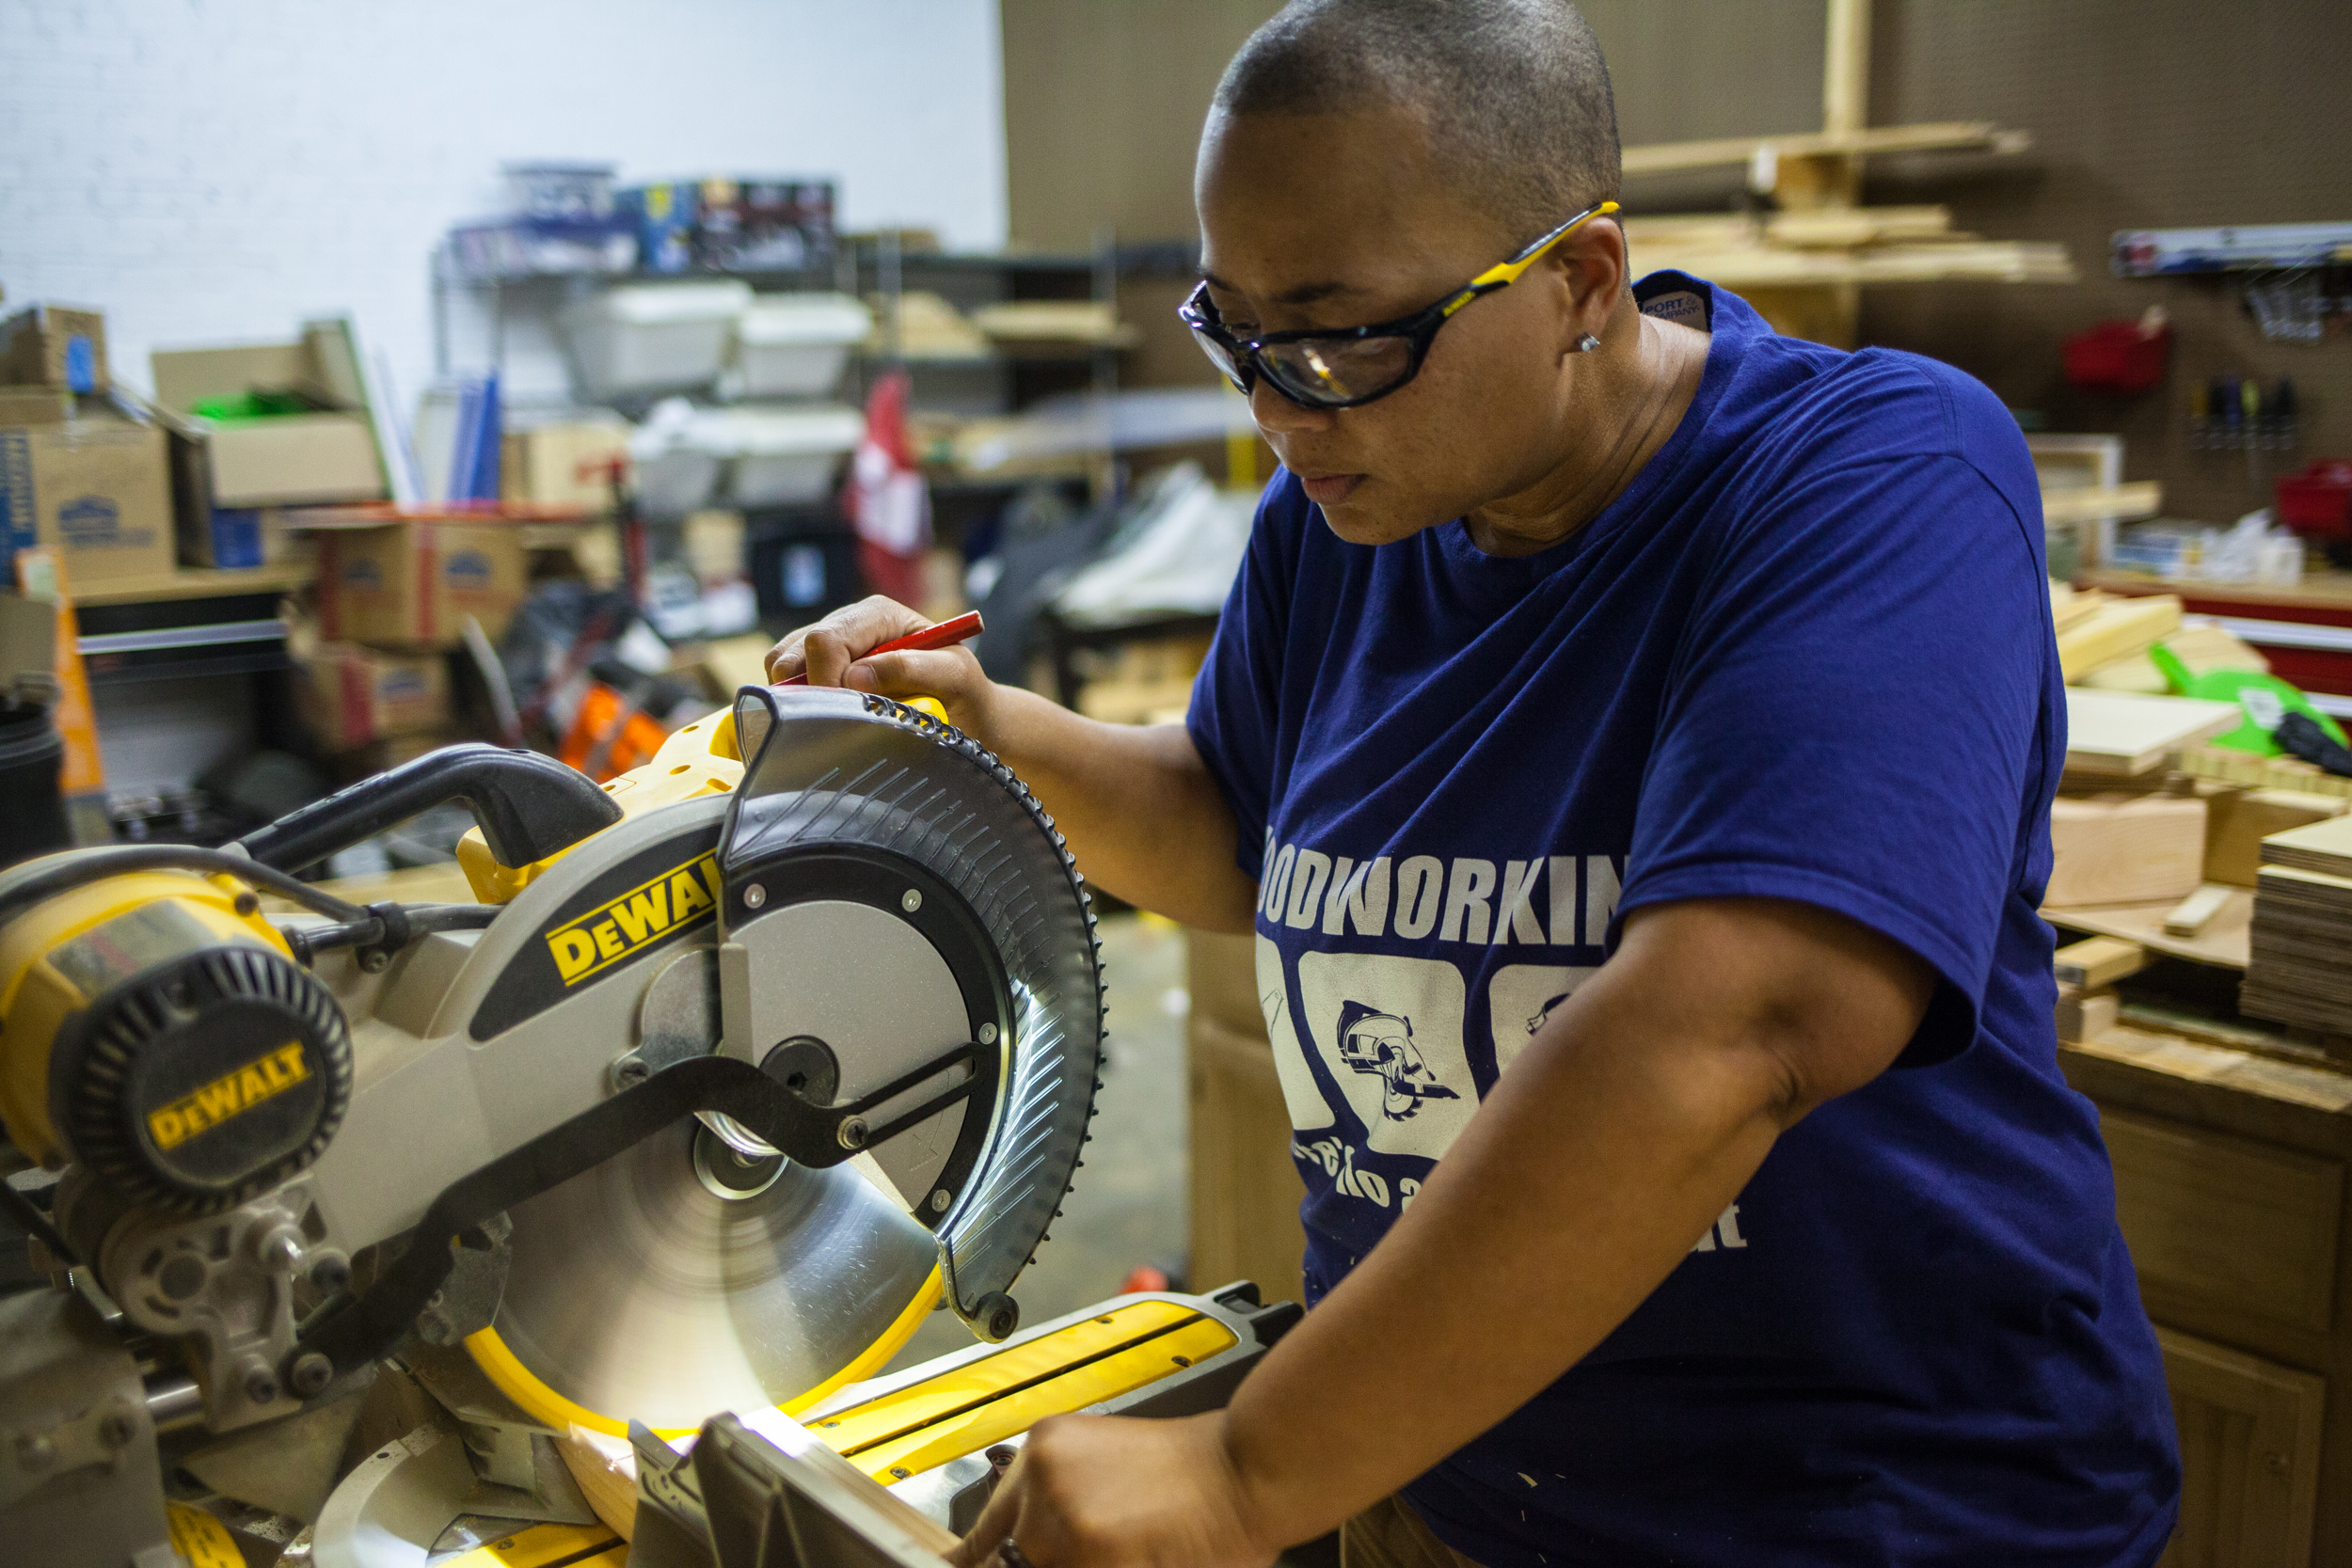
(665, 217)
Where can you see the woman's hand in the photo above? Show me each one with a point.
(1105, 1491)
(833, 652)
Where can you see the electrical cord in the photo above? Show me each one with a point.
(89, 866)
(387, 926)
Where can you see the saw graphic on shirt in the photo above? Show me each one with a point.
(1382, 1044)
(1389, 1032)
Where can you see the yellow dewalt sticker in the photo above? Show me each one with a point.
(230, 1095)
(646, 913)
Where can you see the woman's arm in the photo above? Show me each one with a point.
(1143, 816)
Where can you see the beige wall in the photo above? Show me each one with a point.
(1103, 100)
(2145, 114)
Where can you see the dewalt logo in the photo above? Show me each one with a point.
(678, 898)
(230, 1095)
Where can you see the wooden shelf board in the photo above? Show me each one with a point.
(1942, 136)
(196, 582)
(2226, 944)
(2324, 590)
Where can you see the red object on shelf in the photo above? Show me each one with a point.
(2117, 356)
(2318, 500)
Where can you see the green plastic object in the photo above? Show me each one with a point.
(2262, 699)
(257, 404)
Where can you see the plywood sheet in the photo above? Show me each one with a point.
(2125, 733)
(2225, 942)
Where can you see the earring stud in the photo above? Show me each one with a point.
(1587, 343)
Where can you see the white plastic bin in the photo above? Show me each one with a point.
(795, 345)
(786, 456)
(677, 460)
(651, 338)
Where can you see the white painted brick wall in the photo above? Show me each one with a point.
(214, 171)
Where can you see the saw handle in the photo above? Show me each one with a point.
(527, 805)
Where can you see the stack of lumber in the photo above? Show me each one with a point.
(1858, 244)
(2297, 972)
(2201, 644)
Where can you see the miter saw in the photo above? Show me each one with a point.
(741, 1064)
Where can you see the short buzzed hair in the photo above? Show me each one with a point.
(1514, 92)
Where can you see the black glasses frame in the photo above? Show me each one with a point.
(1244, 361)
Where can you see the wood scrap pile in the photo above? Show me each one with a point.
(1858, 244)
(2103, 638)
(2087, 973)
(2297, 972)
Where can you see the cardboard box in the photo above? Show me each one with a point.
(31, 405)
(412, 583)
(543, 464)
(55, 345)
(354, 696)
(96, 490)
(1246, 1189)
(327, 455)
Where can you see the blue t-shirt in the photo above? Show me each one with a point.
(1807, 654)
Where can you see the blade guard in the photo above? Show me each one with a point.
(829, 769)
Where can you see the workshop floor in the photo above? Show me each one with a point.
(1127, 1206)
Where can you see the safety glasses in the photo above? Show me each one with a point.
(1352, 366)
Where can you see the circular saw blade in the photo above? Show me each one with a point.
(638, 1294)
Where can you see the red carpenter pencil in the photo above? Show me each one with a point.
(945, 635)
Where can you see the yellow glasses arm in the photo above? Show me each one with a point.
(1508, 272)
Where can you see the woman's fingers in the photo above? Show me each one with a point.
(824, 651)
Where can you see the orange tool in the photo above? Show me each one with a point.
(945, 635)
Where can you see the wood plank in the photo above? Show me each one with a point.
(1743, 268)
(2143, 500)
(1823, 228)
(2227, 1221)
(2098, 962)
(2190, 917)
(2225, 945)
(2323, 847)
(1846, 68)
(2086, 1017)
(2125, 732)
(2122, 627)
(197, 582)
(2125, 848)
(1941, 136)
